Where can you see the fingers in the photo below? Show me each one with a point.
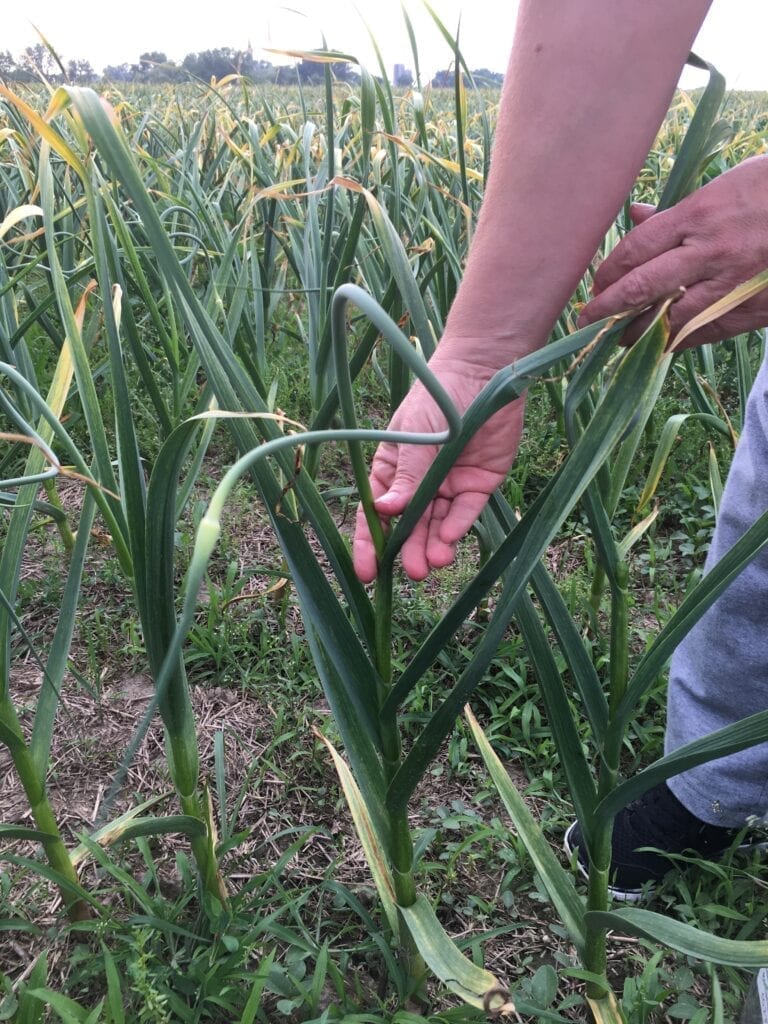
(403, 478)
(440, 552)
(413, 554)
(383, 472)
(695, 300)
(396, 473)
(640, 212)
(445, 523)
(432, 542)
(653, 236)
(424, 549)
(432, 545)
(645, 284)
(363, 550)
(465, 508)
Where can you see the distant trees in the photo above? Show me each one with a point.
(482, 78)
(120, 72)
(312, 72)
(38, 59)
(443, 79)
(151, 60)
(210, 64)
(7, 65)
(344, 72)
(154, 66)
(485, 78)
(263, 71)
(80, 72)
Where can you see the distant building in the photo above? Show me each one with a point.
(402, 76)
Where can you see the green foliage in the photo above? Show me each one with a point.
(218, 223)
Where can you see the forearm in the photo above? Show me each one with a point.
(588, 84)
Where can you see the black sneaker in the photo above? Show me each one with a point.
(657, 820)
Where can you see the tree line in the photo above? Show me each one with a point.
(155, 67)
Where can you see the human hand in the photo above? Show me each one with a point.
(398, 469)
(710, 242)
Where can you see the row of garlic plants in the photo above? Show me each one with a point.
(161, 257)
(172, 244)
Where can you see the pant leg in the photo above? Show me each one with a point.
(719, 672)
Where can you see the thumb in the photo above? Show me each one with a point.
(413, 461)
(640, 212)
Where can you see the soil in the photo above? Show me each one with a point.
(96, 724)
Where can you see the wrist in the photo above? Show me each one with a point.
(485, 343)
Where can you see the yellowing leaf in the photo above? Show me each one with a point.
(317, 56)
(114, 830)
(48, 133)
(473, 984)
(18, 214)
(728, 302)
(606, 1010)
(369, 838)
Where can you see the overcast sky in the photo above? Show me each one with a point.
(734, 38)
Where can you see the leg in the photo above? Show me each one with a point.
(719, 672)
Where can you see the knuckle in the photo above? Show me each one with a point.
(621, 261)
(636, 290)
(624, 257)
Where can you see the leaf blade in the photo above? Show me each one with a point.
(684, 937)
(559, 884)
(473, 984)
